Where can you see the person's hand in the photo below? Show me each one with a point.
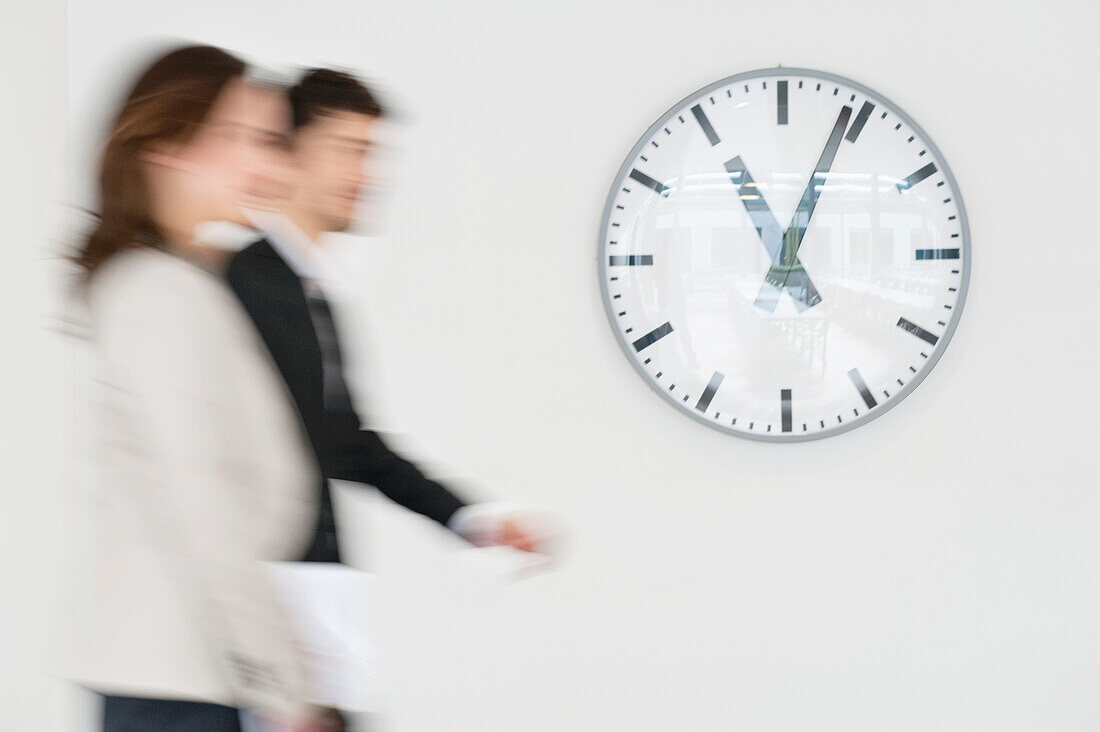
(518, 534)
(528, 531)
(500, 524)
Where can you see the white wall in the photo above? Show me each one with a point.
(32, 432)
(936, 569)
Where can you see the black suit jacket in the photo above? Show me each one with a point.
(275, 299)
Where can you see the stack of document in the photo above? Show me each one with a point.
(336, 609)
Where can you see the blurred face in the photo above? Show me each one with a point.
(330, 153)
(238, 159)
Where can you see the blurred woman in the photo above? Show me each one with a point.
(202, 469)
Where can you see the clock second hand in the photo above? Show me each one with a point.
(806, 296)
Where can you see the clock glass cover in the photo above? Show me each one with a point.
(784, 255)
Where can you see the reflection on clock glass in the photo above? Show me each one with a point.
(784, 255)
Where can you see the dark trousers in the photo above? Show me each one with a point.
(134, 714)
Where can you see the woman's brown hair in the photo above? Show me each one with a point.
(167, 104)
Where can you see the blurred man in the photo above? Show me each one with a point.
(279, 280)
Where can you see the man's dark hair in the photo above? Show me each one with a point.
(327, 90)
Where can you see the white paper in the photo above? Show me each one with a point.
(336, 610)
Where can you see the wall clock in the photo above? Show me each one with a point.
(784, 255)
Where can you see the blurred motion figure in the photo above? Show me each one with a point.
(280, 279)
(203, 471)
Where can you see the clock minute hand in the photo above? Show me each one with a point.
(789, 271)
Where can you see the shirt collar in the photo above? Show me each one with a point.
(306, 258)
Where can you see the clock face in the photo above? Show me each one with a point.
(784, 255)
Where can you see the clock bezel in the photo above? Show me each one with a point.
(945, 339)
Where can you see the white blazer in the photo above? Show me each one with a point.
(201, 473)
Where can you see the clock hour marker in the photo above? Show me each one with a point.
(917, 177)
(652, 337)
(704, 122)
(861, 387)
(781, 103)
(860, 120)
(937, 254)
(918, 331)
(645, 180)
(785, 404)
(708, 393)
(632, 260)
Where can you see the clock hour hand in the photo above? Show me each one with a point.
(789, 272)
(771, 235)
